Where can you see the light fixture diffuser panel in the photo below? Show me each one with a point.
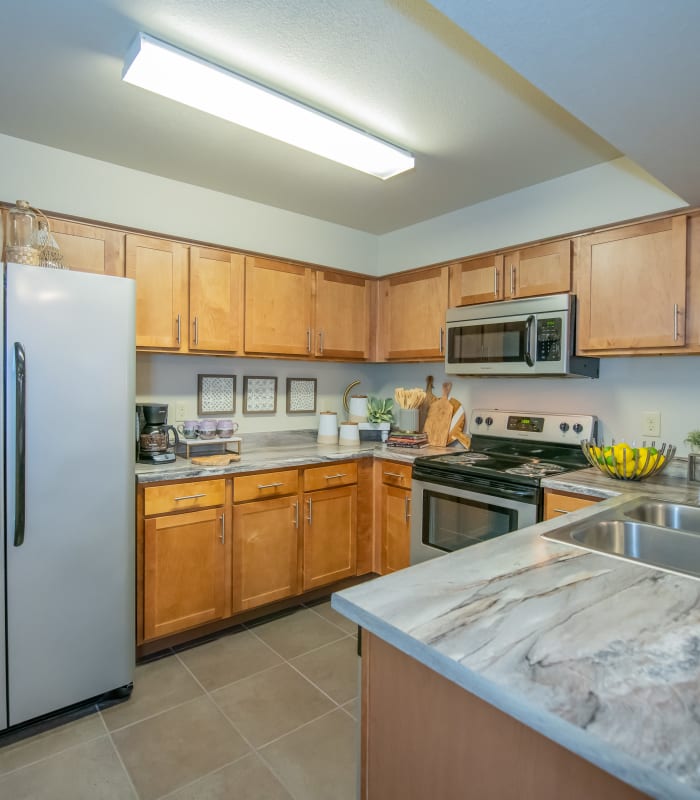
(173, 73)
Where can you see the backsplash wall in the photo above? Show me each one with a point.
(627, 387)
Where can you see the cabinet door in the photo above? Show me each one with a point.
(184, 571)
(330, 533)
(631, 286)
(265, 552)
(87, 248)
(478, 280)
(413, 310)
(396, 526)
(342, 316)
(159, 268)
(216, 300)
(558, 503)
(543, 269)
(278, 306)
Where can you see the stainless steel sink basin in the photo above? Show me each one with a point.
(667, 515)
(650, 532)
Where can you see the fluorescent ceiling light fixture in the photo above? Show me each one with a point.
(162, 68)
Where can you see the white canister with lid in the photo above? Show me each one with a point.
(357, 408)
(349, 434)
(327, 428)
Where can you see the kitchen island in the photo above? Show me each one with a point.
(597, 655)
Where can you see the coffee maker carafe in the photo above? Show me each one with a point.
(154, 445)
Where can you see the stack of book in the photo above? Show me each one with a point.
(401, 439)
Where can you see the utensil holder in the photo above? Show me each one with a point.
(408, 420)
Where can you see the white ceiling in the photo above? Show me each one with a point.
(397, 68)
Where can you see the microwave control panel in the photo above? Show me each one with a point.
(549, 339)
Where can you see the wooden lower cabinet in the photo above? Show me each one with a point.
(423, 736)
(265, 551)
(330, 539)
(396, 528)
(558, 503)
(185, 581)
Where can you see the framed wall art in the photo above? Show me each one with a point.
(259, 395)
(301, 395)
(216, 394)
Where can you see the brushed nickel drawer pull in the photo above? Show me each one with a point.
(310, 510)
(296, 513)
(190, 496)
(337, 475)
(407, 505)
(560, 511)
(223, 531)
(270, 485)
(393, 475)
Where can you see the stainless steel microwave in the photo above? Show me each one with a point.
(532, 337)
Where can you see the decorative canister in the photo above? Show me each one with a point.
(22, 230)
(349, 434)
(327, 427)
(357, 408)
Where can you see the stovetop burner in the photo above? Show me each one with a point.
(535, 469)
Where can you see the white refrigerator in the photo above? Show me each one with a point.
(67, 565)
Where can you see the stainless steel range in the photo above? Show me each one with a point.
(463, 498)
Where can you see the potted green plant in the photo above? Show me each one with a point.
(693, 439)
(379, 410)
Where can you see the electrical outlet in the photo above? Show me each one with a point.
(180, 412)
(651, 423)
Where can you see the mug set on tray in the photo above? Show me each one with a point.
(208, 428)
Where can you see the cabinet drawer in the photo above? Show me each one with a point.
(330, 476)
(264, 485)
(394, 474)
(183, 496)
(557, 503)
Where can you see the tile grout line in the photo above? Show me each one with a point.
(123, 766)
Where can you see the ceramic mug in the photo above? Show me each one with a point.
(225, 428)
(189, 428)
(207, 429)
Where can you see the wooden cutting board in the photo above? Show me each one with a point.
(215, 461)
(437, 423)
(457, 423)
(427, 402)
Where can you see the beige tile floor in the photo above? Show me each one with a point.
(266, 712)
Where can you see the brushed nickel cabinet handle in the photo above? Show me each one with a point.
(223, 531)
(308, 340)
(310, 511)
(393, 475)
(270, 485)
(337, 475)
(407, 505)
(560, 511)
(320, 342)
(495, 281)
(179, 327)
(190, 496)
(196, 330)
(296, 513)
(512, 280)
(442, 341)
(675, 322)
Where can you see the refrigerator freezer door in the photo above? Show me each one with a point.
(3, 684)
(70, 584)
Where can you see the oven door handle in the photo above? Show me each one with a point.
(529, 327)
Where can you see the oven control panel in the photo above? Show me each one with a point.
(540, 427)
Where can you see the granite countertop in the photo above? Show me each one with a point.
(599, 654)
(280, 450)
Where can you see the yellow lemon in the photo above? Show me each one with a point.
(628, 469)
(623, 453)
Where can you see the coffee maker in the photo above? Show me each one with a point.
(153, 441)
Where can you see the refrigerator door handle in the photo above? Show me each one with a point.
(20, 442)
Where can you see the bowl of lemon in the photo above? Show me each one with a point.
(628, 463)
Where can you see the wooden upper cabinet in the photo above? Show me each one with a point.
(88, 248)
(216, 300)
(342, 316)
(542, 269)
(159, 267)
(476, 280)
(278, 307)
(631, 287)
(412, 308)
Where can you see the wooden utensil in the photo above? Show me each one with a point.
(437, 423)
(428, 400)
(215, 461)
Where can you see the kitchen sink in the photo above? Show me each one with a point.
(667, 515)
(650, 532)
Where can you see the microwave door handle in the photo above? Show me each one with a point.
(529, 328)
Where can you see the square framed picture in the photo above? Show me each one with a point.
(301, 395)
(259, 395)
(216, 394)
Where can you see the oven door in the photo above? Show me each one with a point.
(446, 518)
